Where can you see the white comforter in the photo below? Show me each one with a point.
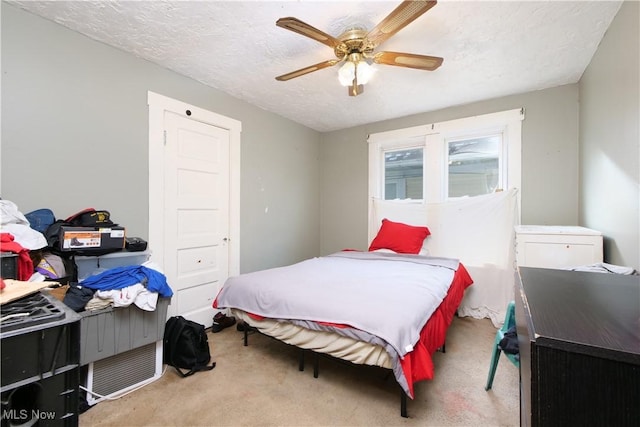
(390, 296)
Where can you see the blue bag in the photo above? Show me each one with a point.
(40, 219)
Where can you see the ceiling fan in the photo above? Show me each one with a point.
(355, 47)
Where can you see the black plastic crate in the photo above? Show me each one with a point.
(40, 349)
(29, 356)
(9, 265)
(51, 401)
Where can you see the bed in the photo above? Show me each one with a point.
(388, 306)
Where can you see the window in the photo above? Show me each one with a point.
(403, 174)
(474, 166)
(432, 163)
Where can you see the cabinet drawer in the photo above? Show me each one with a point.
(558, 255)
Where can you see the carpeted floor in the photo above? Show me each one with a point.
(260, 385)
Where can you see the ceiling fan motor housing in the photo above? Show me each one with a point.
(353, 41)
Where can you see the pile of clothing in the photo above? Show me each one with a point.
(120, 287)
(17, 236)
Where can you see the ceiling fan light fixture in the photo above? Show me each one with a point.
(347, 73)
(358, 70)
(364, 72)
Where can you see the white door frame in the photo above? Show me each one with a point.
(158, 105)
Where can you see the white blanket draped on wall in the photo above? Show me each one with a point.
(479, 231)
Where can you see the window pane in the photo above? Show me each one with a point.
(403, 177)
(474, 166)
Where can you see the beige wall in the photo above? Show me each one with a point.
(610, 139)
(549, 164)
(344, 186)
(75, 135)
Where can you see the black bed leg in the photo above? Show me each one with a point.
(444, 348)
(316, 364)
(246, 336)
(403, 404)
(301, 360)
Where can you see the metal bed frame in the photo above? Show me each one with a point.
(316, 363)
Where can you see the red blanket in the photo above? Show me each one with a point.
(418, 364)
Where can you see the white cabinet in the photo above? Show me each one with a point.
(546, 246)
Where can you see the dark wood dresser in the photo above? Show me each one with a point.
(579, 338)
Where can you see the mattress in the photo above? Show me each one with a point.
(327, 342)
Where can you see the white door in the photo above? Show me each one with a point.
(193, 202)
(196, 214)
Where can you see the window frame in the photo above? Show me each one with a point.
(434, 139)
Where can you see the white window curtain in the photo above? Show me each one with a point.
(479, 231)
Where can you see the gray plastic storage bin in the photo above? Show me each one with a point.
(89, 265)
(114, 330)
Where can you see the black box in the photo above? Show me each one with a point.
(49, 401)
(9, 268)
(44, 346)
(40, 371)
(87, 239)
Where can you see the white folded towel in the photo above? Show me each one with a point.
(603, 267)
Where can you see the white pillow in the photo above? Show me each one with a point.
(385, 251)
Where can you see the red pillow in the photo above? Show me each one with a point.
(399, 237)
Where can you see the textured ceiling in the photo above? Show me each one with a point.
(490, 49)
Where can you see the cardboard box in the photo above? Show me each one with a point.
(88, 239)
(59, 292)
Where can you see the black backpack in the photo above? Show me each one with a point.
(186, 346)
